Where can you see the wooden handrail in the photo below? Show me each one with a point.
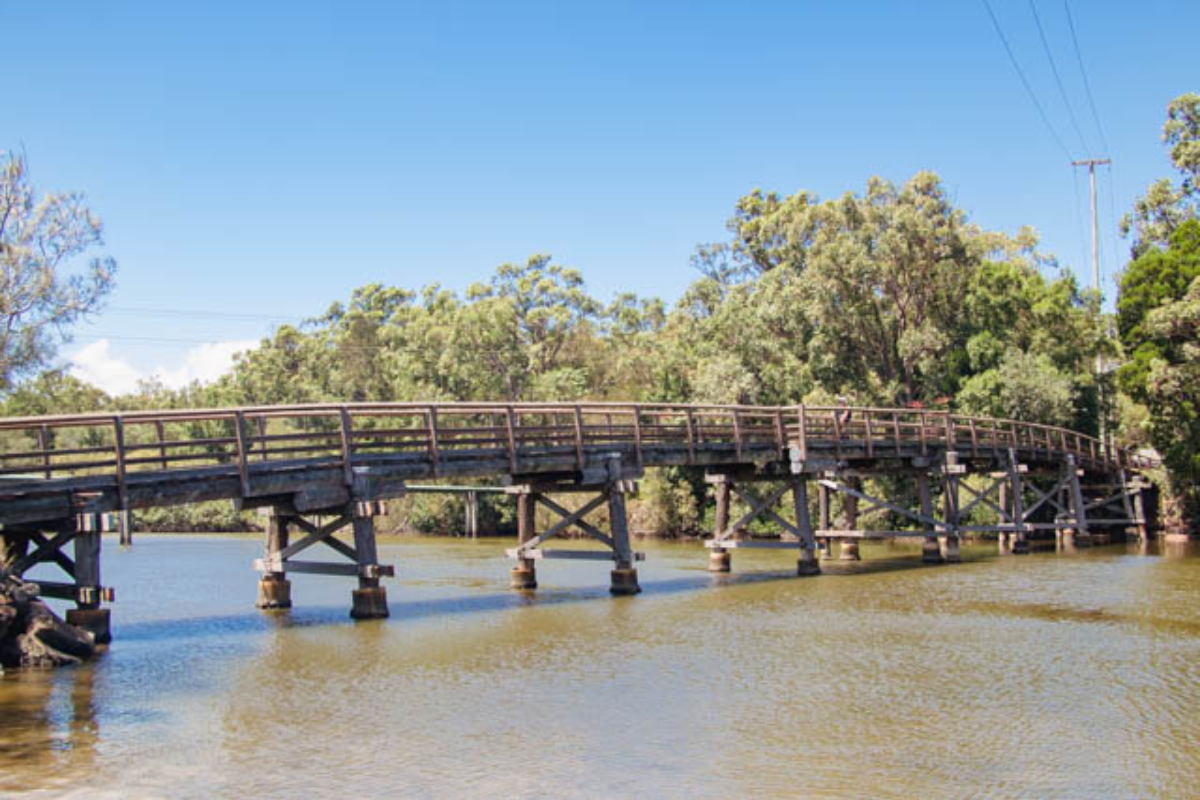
(442, 429)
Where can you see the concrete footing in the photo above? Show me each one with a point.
(719, 561)
(850, 551)
(522, 576)
(624, 581)
(369, 602)
(1179, 538)
(1020, 546)
(931, 553)
(93, 620)
(949, 546)
(808, 565)
(274, 591)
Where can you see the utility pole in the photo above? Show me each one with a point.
(1091, 164)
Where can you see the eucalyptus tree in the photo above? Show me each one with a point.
(1165, 206)
(43, 286)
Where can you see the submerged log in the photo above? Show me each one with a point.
(31, 635)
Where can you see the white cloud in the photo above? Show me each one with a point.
(97, 365)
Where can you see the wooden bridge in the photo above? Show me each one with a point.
(318, 469)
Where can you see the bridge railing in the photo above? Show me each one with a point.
(123, 444)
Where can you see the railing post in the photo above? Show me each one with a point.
(431, 419)
(780, 440)
(161, 433)
(119, 453)
(510, 425)
(578, 438)
(637, 433)
(691, 436)
(867, 430)
(802, 419)
(347, 445)
(43, 439)
(239, 432)
(737, 433)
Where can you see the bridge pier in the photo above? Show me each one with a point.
(369, 600)
(49, 538)
(849, 548)
(725, 536)
(612, 482)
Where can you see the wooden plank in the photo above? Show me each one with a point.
(538, 554)
(757, 544)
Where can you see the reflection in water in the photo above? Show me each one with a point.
(1036, 675)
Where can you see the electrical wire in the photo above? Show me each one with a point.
(1024, 81)
(1062, 92)
(1086, 83)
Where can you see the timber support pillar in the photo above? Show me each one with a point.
(850, 551)
(719, 559)
(88, 614)
(931, 552)
(1019, 540)
(523, 575)
(369, 600)
(624, 574)
(1078, 534)
(274, 589)
(808, 563)
(824, 544)
(949, 543)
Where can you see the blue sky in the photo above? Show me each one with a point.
(255, 161)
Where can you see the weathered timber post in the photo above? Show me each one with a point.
(950, 542)
(523, 575)
(930, 552)
(88, 614)
(850, 504)
(125, 527)
(1020, 539)
(1139, 514)
(1003, 538)
(807, 565)
(472, 514)
(369, 600)
(274, 589)
(624, 575)
(719, 560)
(1083, 537)
(825, 545)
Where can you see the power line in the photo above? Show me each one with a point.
(1025, 82)
(176, 312)
(1086, 84)
(1062, 92)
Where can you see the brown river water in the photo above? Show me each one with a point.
(1049, 675)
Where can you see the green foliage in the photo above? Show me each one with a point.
(210, 517)
(41, 291)
(1165, 206)
(1172, 392)
(1154, 279)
